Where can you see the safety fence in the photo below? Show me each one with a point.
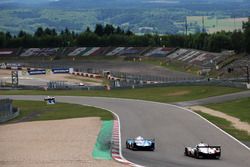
(7, 111)
(132, 85)
(202, 82)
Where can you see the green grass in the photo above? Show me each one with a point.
(179, 66)
(213, 24)
(172, 65)
(227, 126)
(238, 108)
(158, 94)
(42, 111)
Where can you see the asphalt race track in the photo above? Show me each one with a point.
(173, 128)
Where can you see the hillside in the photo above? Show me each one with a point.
(140, 16)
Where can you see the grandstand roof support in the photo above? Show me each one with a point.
(14, 77)
(248, 80)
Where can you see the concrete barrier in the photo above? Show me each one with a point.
(248, 86)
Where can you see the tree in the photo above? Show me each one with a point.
(8, 36)
(246, 28)
(21, 34)
(128, 32)
(99, 30)
(176, 41)
(237, 38)
(87, 29)
(87, 39)
(219, 41)
(118, 30)
(48, 31)
(54, 33)
(27, 40)
(2, 39)
(39, 32)
(109, 29)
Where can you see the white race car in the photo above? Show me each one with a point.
(203, 150)
(50, 100)
(139, 143)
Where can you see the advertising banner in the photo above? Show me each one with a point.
(37, 72)
(60, 70)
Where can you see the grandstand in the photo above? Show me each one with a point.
(77, 52)
(195, 57)
(39, 52)
(245, 61)
(189, 57)
(89, 51)
(115, 51)
(159, 52)
(138, 51)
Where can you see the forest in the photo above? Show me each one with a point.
(108, 35)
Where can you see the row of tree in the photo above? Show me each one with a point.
(110, 36)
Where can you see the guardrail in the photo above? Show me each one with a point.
(123, 85)
(132, 84)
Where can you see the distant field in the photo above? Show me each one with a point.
(214, 24)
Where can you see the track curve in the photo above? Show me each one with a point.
(172, 127)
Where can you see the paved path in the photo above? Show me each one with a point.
(172, 127)
(215, 99)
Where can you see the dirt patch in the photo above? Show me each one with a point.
(179, 93)
(57, 143)
(85, 80)
(5, 73)
(25, 79)
(235, 121)
(69, 78)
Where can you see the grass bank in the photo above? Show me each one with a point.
(36, 110)
(172, 65)
(237, 108)
(158, 94)
(227, 126)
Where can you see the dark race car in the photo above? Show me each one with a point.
(139, 143)
(203, 150)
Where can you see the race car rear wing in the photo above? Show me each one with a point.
(219, 147)
(153, 140)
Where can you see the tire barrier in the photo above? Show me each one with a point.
(112, 78)
(89, 75)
